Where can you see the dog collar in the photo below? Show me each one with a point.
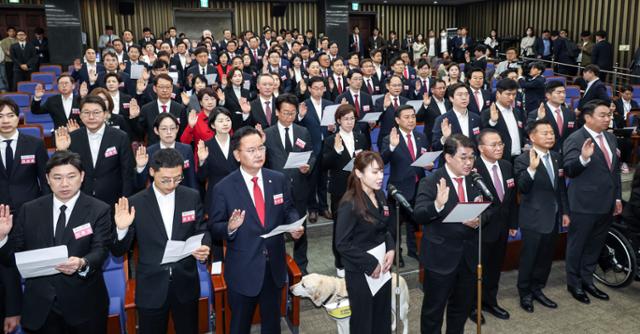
(328, 299)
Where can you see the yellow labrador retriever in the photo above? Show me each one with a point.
(331, 293)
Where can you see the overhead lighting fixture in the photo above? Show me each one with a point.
(435, 2)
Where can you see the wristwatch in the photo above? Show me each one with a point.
(84, 265)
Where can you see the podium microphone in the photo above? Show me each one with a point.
(393, 191)
(478, 181)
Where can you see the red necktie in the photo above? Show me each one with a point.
(603, 148)
(164, 108)
(406, 73)
(369, 87)
(357, 105)
(339, 80)
(477, 95)
(410, 146)
(255, 55)
(395, 103)
(424, 86)
(258, 200)
(559, 121)
(461, 196)
(267, 111)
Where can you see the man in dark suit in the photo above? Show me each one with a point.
(310, 117)
(376, 41)
(533, 86)
(24, 57)
(338, 78)
(479, 98)
(479, 59)
(562, 119)
(75, 300)
(106, 153)
(163, 88)
(164, 212)
(596, 90)
(88, 72)
(63, 107)
(562, 53)
(407, 42)
(506, 119)
(281, 140)
(388, 106)
(592, 163)
(371, 83)
(432, 107)
(263, 107)
(543, 206)
(449, 250)
(356, 96)
(23, 160)
(457, 120)
(256, 52)
(250, 202)
(461, 45)
(423, 82)
(400, 149)
(41, 44)
(355, 42)
(201, 66)
(498, 176)
(624, 105)
(602, 54)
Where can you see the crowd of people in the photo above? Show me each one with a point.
(169, 137)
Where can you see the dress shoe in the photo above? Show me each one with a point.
(544, 300)
(592, 290)
(497, 311)
(327, 214)
(579, 295)
(313, 217)
(526, 302)
(474, 316)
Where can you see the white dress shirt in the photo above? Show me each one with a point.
(597, 143)
(70, 204)
(432, 47)
(480, 98)
(282, 134)
(542, 156)
(160, 104)
(455, 187)
(403, 134)
(67, 104)
(249, 183)
(95, 138)
(441, 105)
(167, 204)
(224, 146)
(489, 167)
(116, 104)
(3, 147)
(348, 142)
(512, 127)
(463, 120)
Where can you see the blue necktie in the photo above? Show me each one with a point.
(549, 167)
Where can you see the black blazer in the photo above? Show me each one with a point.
(83, 75)
(258, 116)
(148, 230)
(28, 56)
(148, 115)
(232, 103)
(26, 179)
(597, 91)
(188, 167)
(444, 245)
(365, 106)
(401, 174)
(334, 162)
(388, 118)
(502, 128)
(429, 115)
(542, 204)
(214, 168)
(355, 234)
(533, 92)
(595, 177)
(112, 176)
(54, 107)
(501, 214)
(79, 298)
(473, 106)
(474, 127)
(602, 55)
(570, 124)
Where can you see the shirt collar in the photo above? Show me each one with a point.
(344, 133)
(98, 133)
(404, 134)
(14, 137)
(162, 146)
(540, 153)
(450, 173)
(488, 164)
(591, 132)
(248, 178)
(465, 114)
(70, 203)
(161, 196)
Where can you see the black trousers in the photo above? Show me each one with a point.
(586, 237)
(300, 245)
(55, 324)
(409, 224)
(20, 75)
(317, 201)
(335, 204)
(8, 70)
(243, 307)
(454, 292)
(185, 315)
(536, 257)
(369, 314)
(492, 258)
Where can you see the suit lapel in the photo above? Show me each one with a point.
(177, 216)
(77, 218)
(103, 147)
(152, 202)
(47, 221)
(267, 185)
(241, 186)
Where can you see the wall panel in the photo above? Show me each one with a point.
(419, 19)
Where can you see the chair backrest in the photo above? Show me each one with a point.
(490, 66)
(31, 118)
(609, 90)
(548, 72)
(45, 77)
(28, 86)
(34, 130)
(23, 100)
(57, 69)
(636, 90)
(561, 79)
(114, 278)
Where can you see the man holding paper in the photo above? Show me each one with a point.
(250, 202)
(449, 251)
(75, 299)
(281, 141)
(159, 215)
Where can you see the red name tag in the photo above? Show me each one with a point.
(125, 105)
(385, 211)
(75, 111)
(278, 199)
(28, 159)
(365, 108)
(188, 216)
(111, 151)
(406, 87)
(570, 125)
(510, 183)
(520, 124)
(476, 131)
(300, 143)
(186, 164)
(82, 231)
(173, 95)
(120, 85)
(560, 172)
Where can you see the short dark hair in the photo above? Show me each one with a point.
(532, 126)
(343, 110)
(93, 99)
(452, 89)
(199, 50)
(506, 84)
(135, 46)
(550, 86)
(590, 107)
(626, 88)
(601, 34)
(402, 108)
(218, 111)
(161, 117)
(505, 74)
(585, 33)
(482, 48)
(337, 59)
(474, 70)
(354, 71)
(160, 64)
(66, 76)
(164, 76)
(241, 133)
(11, 105)
(207, 91)
(593, 68)
(422, 62)
(539, 65)
(286, 98)
(436, 81)
(114, 75)
(457, 140)
(485, 132)
(313, 80)
(61, 158)
(166, 158)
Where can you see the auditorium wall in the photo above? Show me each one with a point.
(418, 19)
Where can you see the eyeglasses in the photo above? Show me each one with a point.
(254, 150)
(168, 130)
(287, 114)
(91, 113)
(175, 180)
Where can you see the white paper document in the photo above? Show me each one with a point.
(329, 115)
(349, 166)
(285, 228)
(426, 158)
(247, 84)
(370, 117)
(136, 71)
(375, 98)
(211, 78)
(174, 76)
(416, 104)
(376, 283)
(297, 159)
(41, 262)
(465, 211)
(177, 250)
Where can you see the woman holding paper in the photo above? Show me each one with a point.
(361, 227)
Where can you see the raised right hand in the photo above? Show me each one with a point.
(394, 137)
(443, 193)
(387, 101)
(534, 159)
(193, 118)
(63, 139)
(6, 221)
(134, 109)
(39, 91)
(587, 149)
(542, 112)
(302, 110)
(203, 151)
(185, 98)
(142, 158)
(123, 216)
(445, 127)
(236, 220)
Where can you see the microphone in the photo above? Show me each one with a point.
(393, 191)
(478, 181)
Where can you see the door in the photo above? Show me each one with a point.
(22, 18)
(366, 22)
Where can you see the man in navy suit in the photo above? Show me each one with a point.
(462, 44)
(201, 66)
(592, 163)
(89, 71)
(506, 119)
(480, 98)
(355, 42)
(456, 120)
(561, 118)
(400, 149)
(250, 202)
(562, 53)
(596, 90)
(433, 106)
(356, 96)
(388, 106)
(25, 58)
(533, 86)
(602, 54)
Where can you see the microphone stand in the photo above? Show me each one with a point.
(479, 277)
(397, 260)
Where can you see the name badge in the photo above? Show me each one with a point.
(300, 143)
(406, 87)
(570, 125)
(520, 124)
(519, 104)
(120, 85)
(173, 67)
(189, 216)
(28, 159)
(173, 95)
(560, 172)
(511, 183)
(125, 105)
(377, 89)
(476, 130)
(423, 150)
(365, 108)
(186, 164)
(82, 231)
(284, 77)
(487, 103)
(111, 151)
(278, 199)
(385, 211)
(75, 111)
(413, 76)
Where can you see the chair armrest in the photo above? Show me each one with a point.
(295, 275)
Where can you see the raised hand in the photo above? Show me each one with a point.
(203, 151)
(84, 89)
(39, 91)
(141, 85)
(534, 160)
(302, 110)
(245, 106)
(63, 139)
(193, 118)
(259, 128)
(587, 149)
(443, 194)
(142, 158)
(6, 221)
(134, 109)
(331, 84)
(303, 86)
(418, 85)
(123, 216)
(426, 99)
(220, 92)
(494, 112)
(122, 67)
(445, 127)
(185, 98)
(72, 125)
(387, 101)
(93, 76)
(394, 137)
(77, 65)
(542, 112)
(223, 80)
(236, 220)
(145, 75)
(344, 101)
(338, 143)
(566, 221)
